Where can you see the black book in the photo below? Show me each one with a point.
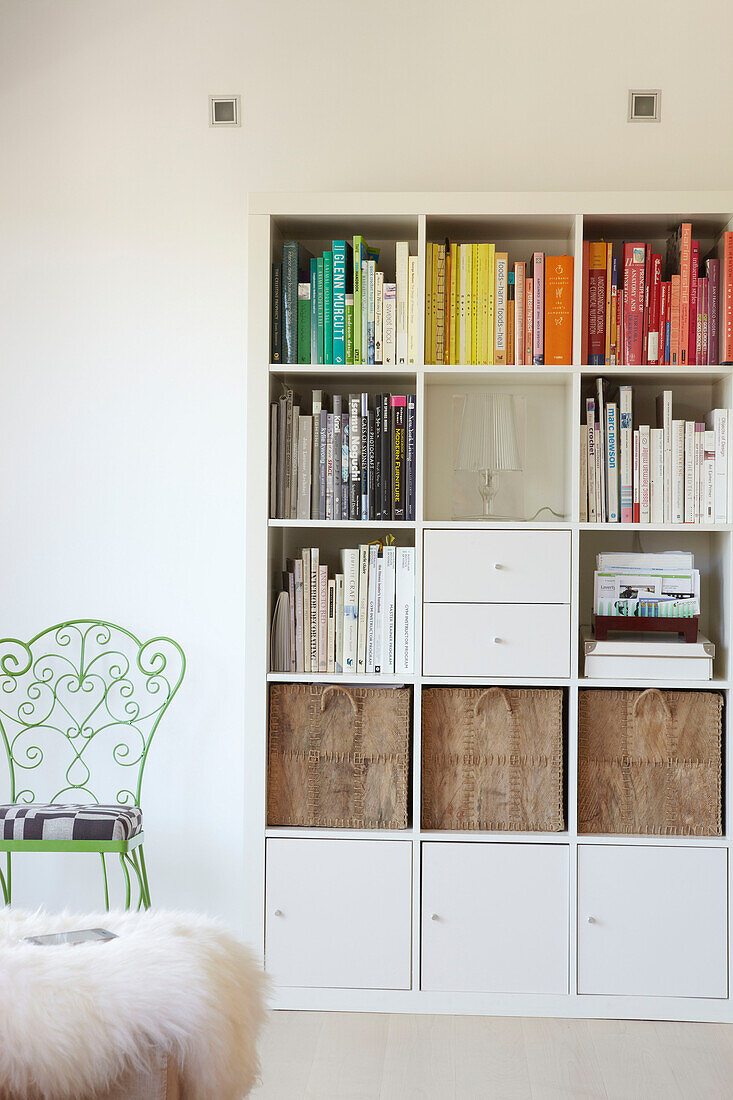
(378, 457)
(386, 449)
(276, 319)
(372, 463)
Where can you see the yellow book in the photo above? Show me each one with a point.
(429, 315)
(474, 302)
(483, 320)
(467, 297)
(434, 306)
(490, 343)
(501, 276)
(454, 292)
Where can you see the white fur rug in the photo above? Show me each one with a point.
(72, 1019)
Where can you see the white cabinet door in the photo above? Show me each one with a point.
(494, 639)
(652, 920)
(339, 913)
(495, 917)
(497, 566)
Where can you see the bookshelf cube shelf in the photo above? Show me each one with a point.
(441, 942)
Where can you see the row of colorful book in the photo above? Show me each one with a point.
(640, 308)
(482, 310)
(347, 459)
(338, 308)
(674, 472)
(360, 621)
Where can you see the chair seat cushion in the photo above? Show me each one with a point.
(49, 821)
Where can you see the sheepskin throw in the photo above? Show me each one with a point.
(74, 1018)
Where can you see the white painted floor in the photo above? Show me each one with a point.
(359, 1056)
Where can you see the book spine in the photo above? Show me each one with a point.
(328, 307)
(633, 335)
(474, 304)
(538, 308)
(371, 608)
(378, 645)
(655, 290)
(282, 436)
(365, 310)
(601, 447)
(361, 657)
(274, 412)
(454, 305)
(519, 313)
(330, 491)
(299, 635)
(448, 318)
(559, 310)
(583, 479)
(590, 415)
(609, 266)
(684, 318)
(645, 321)
(692, 324)
(698, 463)
(413, 316)
(674, 354)
(372, 463)
(585, 303)
(636, 475)
(364, 457)
(490, 270)
(431, 279)
(320, 299)
(322, 618)
(528, 320)
(510, 299)
(315, 465)
(276, 333)
(698, 321)
(709, 477)
(356, 290)
(306, 559)
(378, 316)
(314, 583)
(663, 346)
(612, 461)
(705, 320)
(322, 465)
(410, 456)
(597, 256)
(656, 466)
(337, 455)
(664, 421)
(600, 510)
(405, 610)
(331, 626)
(626, 441)
(378, 474)
(464, 304)
(338, 659)
(389, 314)
(713, 269)
(614, 312)
(349, 323)
(483, 343)
(371, 311)
(339, 302)
(726, 296)
(291, 599)
(304, 323)
(294, 446)
(398, 404)
(718, 421)
(389, 556)
(402, 251)
(439, 300)
(355, 456)
(289, 320)
(501, 266)
(314, 311)
(678, 471)
(345, 469)
(644, 474)
(305, 443)
(350, 568)
(386, 458)
(689, 501)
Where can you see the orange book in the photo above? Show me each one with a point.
(584, 315)
(674, 316)
(684, 317)
(559, 310)
(528, 302)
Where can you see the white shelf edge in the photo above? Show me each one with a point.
(349, 524)
(364, 679)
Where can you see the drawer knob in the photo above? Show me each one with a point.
(498, 565)
(435, 917)
(496, 640)
(278, 912)
(591, 920)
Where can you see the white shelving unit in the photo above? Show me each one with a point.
(574, 925)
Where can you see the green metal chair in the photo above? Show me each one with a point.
(82, 696)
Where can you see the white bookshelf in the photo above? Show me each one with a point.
(325, 923)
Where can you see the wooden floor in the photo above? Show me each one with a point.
(354, 1056)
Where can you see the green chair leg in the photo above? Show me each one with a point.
(143, 898)
(4, 888)
(148, 902)
(9, 877)
(106, 884)
(126, 873)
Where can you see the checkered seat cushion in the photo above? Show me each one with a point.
(48, 821)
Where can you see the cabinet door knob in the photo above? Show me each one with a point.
(435, 917)
(591, 920)
(498, 565)
(496, 640)
(278, 912)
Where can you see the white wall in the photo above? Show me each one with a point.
(123, 268)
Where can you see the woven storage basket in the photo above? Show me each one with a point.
(650, 762)
(492, 759)
(338, 756)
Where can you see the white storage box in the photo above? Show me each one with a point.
(635, 656)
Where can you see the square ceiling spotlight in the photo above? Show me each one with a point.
(645, 106)
(224, 110)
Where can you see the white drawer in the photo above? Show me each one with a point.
(339, 913)
(652, 920)
(484, 639)
(497, 566)
(495, 917)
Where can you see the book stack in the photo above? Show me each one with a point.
(482, 310)
(674, 472)
(349, 458)
(640, 308)
(339, 309)
(644, 656)
(650, 586)
(360, 621)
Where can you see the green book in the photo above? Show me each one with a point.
(319, 286)
(328, 307)
(314, 312)
(349, 321)
(304, 322)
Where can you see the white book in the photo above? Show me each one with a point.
(339, 627)
(656, 468)
(323, 618)
(697, 474)
(689, 504)
(314, 575)
(678, 561)
(299, 635)
(664, 421)
(331, 630)
(315, 464)
(361, 651)
(379, 615)
(389, 323)
(591, 461)
(678, 471)
(402, 252)
(305, 441)
(717, 420)
(413, 318)
(612, 461)
(274, 409)
(389, 558)
(583, 502)
(625, 432)
(600, 515)
(371, 607)
(500, 295)
(294, 444)
(405, 610)
(635, 476)
(708, 477)
(378, 315)
(601, 446)
(644, 470)
(306, 556)
(329, 466)
(463, 302)
(350, 567)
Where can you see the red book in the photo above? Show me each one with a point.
(704, 326)
(597, 304)
(726, 299)
(684, 319)
(647, 286)
(633, 333)
(584, 315)
(655, 310)
(692, 336)
(663, 315)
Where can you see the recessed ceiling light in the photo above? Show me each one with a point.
(645, 106)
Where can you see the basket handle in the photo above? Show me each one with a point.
(494, 691)
(658, 694)
(338, 688)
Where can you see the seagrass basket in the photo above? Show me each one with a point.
(492, 758)
(338, 756)
(649, 762)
